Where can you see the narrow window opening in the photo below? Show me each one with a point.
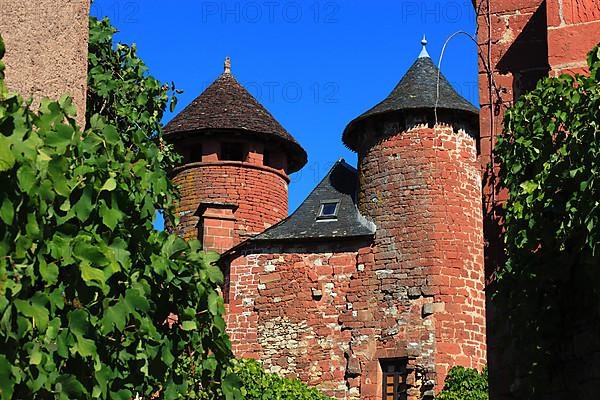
(395, 376)
(233, 152)
(268, 159)
(328, 210)
(196, 154)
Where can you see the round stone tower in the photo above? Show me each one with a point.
(236, 163)
(419, 182)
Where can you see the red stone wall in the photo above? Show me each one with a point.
(512, 38)
(260, 193)
(573, 29)
(285, 307)
(423, 190)
(520, 42)
(331, 313)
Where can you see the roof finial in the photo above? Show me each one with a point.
(227, 65)
(424, 53)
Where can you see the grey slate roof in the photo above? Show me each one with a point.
(339, 184)
(226, 105)
(417, 90)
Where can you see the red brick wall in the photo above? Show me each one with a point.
(259, 193)
(423, 190)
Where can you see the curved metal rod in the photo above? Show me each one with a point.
(437, 97)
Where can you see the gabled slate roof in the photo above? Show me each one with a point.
(417, 90)
(339, 184)
(226, 105)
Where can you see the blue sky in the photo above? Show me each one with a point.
(315, 65)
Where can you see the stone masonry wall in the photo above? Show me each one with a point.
(331, 313)
(260, 193)
(514, 39)
(285, 307)
(524, 41)
(422, 188)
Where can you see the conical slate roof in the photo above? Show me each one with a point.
(227, 105)
(416, 90)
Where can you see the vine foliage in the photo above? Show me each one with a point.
(256, 384)
(94, 302)
(550, 157)
(465, 384)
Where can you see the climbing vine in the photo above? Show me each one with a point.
(95, 303)
(465, 384)
(550, 157)
(121, 90)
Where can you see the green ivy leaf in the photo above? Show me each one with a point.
(70, 386)
(7, 160)
(173, 246)
(7, 211)
(114, 318)
(231, 385)
(109, 185)
(189, 325)
(34, 310)
(214, 303)
(215, 275)
(7, 381)
(49, 273)
(110, 216)
(83, 208)
(61, 138)
(26, 178)
(90, 275)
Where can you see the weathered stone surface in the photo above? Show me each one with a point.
(430, 179)
(330, 313)
(46, 48)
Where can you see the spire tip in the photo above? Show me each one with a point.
(424, 53)
(227, 65)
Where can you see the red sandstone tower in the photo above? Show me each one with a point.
(373, 288)
(419, 182)
(236, 162)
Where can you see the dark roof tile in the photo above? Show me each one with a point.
(340, 184)
(416, 90)
(227, 105)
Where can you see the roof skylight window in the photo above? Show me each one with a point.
(328, 209)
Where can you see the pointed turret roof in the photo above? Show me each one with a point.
(417, 90)
(227, 105)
